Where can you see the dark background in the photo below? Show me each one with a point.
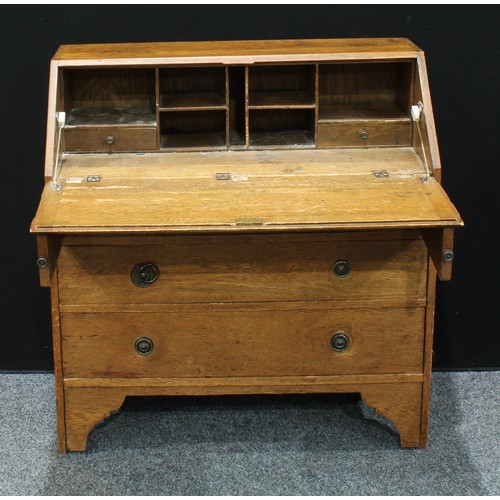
(462, 49)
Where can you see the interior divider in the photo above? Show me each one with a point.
(316, 103)
(157, 104)
(247, 111)
(228, 109)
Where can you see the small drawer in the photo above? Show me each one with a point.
(242, 270)
(364, 133)
(110, 139)
(265, 342)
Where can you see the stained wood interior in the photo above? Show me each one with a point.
(282, 127)
(285, 86)
(277, 106)
(193, 129)
(109, 89)
(364, 90)
(192, 87)
(236, 109)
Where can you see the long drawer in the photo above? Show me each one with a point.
(251, 271)
(247, 343)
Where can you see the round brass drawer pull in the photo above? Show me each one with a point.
(144, 275)
(363, 134)
(341, 268)
(110, 139)
(339, 341)
(42, 262)
(144, 346)
(448, 255)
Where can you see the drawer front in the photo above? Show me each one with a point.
(361, 134)
(110, 139)
(243, 343)
(251, 271)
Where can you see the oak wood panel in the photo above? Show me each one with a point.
(284, 202)
(294, 163)
(236, 51)
(364, 85)
(233, 385)
(109, 88)
(438, 241)
(282, 99)
(428, 355)
(248, 344)
(283, 238)
(192, 101)
(387, 111)
(126, 138)
(349, 134)
(58, 364)
(426, 144)
(89, 405)
(241, 272)
(84, 409)
(402, 404)
(236, 307)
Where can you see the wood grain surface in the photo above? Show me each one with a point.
(160, 200)
(244, 271)
(246, 301)
(125, 138)
(235, 51)
(223, 344)
(378, 133)
(396, 397)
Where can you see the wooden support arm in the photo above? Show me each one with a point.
(440, 246)
(48, 248)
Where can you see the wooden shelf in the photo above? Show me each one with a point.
(93, 117)
(362, 111)
(194, 141)
(281, 99)
(193, 101)
(294, 138)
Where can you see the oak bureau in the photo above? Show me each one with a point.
(242, 217)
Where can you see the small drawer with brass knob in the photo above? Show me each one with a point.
(357, 133)
(110, 139)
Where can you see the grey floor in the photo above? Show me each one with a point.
(265, 445)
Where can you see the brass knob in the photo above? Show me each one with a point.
(42, 262)
(341, 268)
(144, 275)
(363, 134)
(448, 255)
(110, 139)
(339, 341)
(144, 346)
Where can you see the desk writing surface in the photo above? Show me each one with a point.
(267, 190)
